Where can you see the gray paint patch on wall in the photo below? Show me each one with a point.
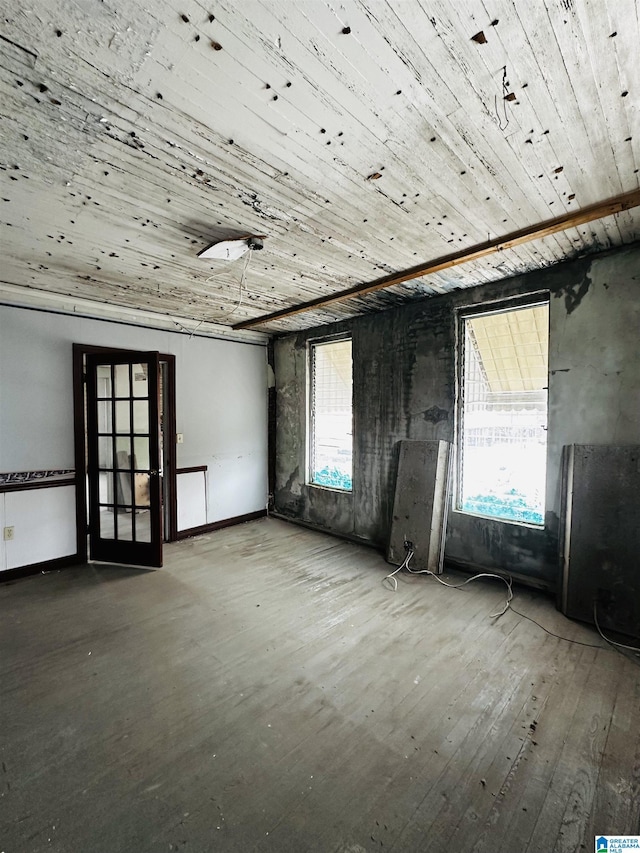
(574, 293)
(435, 415)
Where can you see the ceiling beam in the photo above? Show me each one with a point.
(473, 253)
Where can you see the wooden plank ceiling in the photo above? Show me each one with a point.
(362, 138)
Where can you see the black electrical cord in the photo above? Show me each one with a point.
(558, 636)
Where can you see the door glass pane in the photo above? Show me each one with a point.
(141, 453)
(124, 489)
(103, 380)
(142, 490)
(122, 380)
(143, 527)
(140, 416)
(106, 522)
(104, 416)
(125, 525)
(123, 453)
(140, 380)
(105, 487)
(123, 416)
(105, 452)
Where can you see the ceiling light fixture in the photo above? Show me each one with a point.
(231, 250)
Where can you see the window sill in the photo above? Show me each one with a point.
(329, 488)
(528, 524)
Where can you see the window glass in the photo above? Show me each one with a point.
(330, 439)
(502, 448)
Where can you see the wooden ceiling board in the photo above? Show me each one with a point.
(361, 137)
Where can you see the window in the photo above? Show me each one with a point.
(502, 424)
(330, 432)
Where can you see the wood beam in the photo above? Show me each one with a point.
(473, 253)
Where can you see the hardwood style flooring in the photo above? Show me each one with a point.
(266, 692)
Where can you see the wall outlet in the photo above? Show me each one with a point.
(8, 533)
(180, 438)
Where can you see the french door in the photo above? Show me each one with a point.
(123, 456)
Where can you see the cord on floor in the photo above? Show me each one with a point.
(405, 565)
(558, 636)
(606, 639)
(392, 576)
(507, 605)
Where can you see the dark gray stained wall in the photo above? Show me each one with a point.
(404, 387)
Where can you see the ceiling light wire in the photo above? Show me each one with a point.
(216, 275)
(242, 287)
(191, 332)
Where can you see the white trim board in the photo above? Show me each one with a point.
(26, 297)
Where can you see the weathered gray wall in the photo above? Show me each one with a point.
(404, 387)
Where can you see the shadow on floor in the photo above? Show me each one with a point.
(115, 571)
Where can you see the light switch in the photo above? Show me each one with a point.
(180, 438)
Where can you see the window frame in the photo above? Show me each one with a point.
(312, 343)
(468, 312)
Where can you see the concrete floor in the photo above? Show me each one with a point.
(265, 691)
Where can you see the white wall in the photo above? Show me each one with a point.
(53, 535)
(192, 499)
(221, 408)
(221, 403)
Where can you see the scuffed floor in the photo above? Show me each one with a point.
(265, 691)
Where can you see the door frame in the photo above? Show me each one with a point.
(80, 443)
